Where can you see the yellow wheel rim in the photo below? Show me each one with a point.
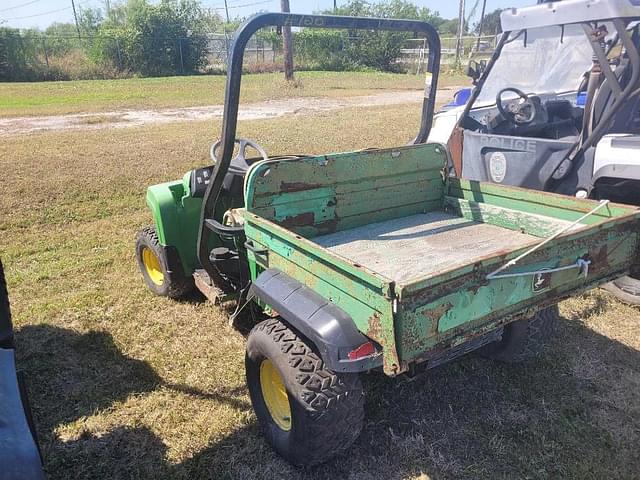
(152, 265)
(275, 395)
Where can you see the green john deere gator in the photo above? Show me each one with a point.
(369, 260)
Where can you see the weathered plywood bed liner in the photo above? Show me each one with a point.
(421, 245)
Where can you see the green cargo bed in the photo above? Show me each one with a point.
(411, 248)
(406, 251)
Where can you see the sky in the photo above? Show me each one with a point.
(41, 13)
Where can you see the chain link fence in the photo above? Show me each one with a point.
(61, 57)
(415, 50)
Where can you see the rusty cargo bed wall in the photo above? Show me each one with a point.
(310, 214)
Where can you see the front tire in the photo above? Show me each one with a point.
(523, 340)
(307, 412)
(154, 265)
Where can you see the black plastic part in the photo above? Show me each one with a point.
(198, 181)
(221, 253)
(6, 327)
(331, 330)
(174, 265)
(223, 230)
(28, 413)
(227, 262)
(232, 93)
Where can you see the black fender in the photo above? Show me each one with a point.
(328, 327)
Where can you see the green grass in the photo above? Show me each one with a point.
(128, 385)
(89, 96)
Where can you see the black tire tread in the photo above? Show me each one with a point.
(334, 401)
(178, 286)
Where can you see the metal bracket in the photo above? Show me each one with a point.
(581, 264)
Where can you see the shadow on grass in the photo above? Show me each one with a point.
(70, 376)
(572, 414)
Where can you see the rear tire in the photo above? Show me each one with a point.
(321, 413)
(523, 340)
(626, 289)
(154, 265)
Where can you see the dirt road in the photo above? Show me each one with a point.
(252, 111)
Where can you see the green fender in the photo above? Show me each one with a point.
(176, 216)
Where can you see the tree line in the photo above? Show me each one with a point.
(138, 38)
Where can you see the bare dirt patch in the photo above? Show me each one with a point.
(251, 111)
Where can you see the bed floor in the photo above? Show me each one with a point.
(418, 246)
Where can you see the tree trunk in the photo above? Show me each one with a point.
(287, 44)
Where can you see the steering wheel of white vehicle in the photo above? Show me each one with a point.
(243, 143)
(520, 113)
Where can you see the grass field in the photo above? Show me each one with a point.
(55, 98)
(128, 385)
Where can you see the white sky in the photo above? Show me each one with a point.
(41, 13)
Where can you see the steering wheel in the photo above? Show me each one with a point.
(243, 144)
(519, 113)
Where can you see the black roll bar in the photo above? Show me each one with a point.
(234, 76)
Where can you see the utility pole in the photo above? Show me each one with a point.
(484, 4)
(75, 16)
(286, 43)
(108, 5)
(335, 5)
(459, 45)
(226, 10)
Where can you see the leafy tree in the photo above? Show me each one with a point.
(89, 20)
(61, 38)
(154, 40)
(491, 23)
(358, 48)
(17, 54)
(4, 56)
(323, 50)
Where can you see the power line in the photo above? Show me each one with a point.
(44, 13)
(20, 6)
(241, 6)
(250, 4)
(86, 1)
(39, 14)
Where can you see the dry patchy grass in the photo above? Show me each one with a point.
(128, 385)
(91, 96)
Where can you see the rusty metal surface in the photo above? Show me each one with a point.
(454, 308)
(213, 293)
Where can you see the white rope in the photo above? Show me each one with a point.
(510, 263)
